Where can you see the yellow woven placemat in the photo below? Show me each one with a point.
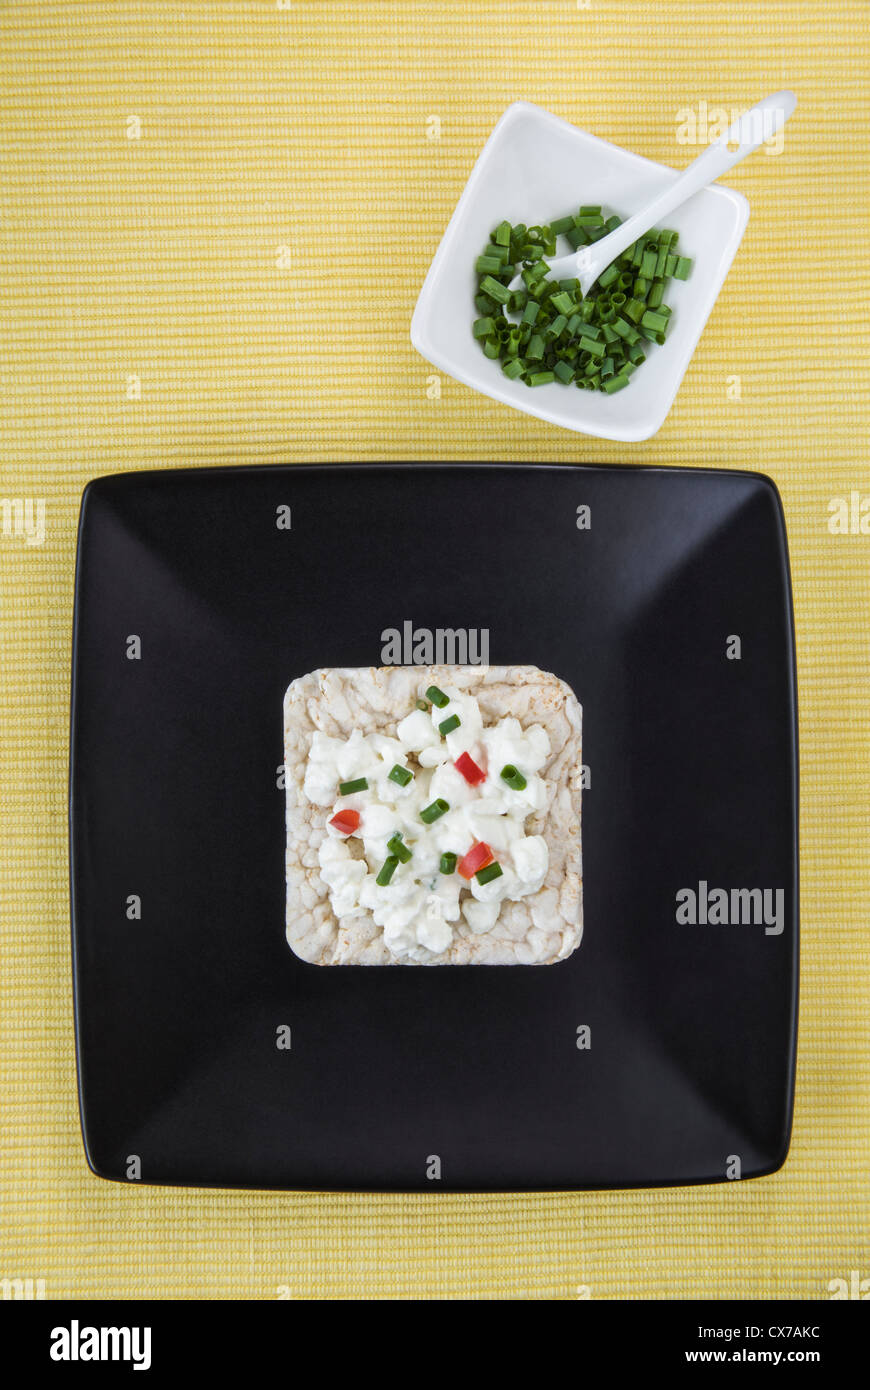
(217, 217)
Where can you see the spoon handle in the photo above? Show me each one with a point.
(747, 133)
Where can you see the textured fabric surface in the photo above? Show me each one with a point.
(217, 217)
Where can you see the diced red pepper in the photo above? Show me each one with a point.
(477, 858)
(469, 769)
(346, 821)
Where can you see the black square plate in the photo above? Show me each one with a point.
(177, 814)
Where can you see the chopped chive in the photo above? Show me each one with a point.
(448, 863)
(513, 777)
(398, 849)
(388, 868)
(561, 224)
(448, 725)
(502, 234)
(615, 383)
(657, 322)
(434, 810)
(438, 698)
(540, 378)
(489, 873)
(495, 289)
(564, 371)
(360, 784)
(400, 775)
(682, 268)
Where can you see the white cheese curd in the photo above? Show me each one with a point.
(433, 931)
(415, 731)
(355, 758)
(343, 875)
(531, 860)
(377, 824)
(495, 890)
(480, 917)
(421, 909)
(427, 856)
(500, 832)
(437, 753)
(451, 786)
(320, 772)
(446, 890)
(399, 935)
(390, 749)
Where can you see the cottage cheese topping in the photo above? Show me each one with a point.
(420, 908)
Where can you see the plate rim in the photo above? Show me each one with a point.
(113, 481)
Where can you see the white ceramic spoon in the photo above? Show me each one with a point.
(744, 136)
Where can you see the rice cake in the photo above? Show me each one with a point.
(331, 704)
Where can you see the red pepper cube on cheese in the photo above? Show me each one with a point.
(346, 821)
(477, 858)
(473, 774)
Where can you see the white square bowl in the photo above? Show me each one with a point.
(534, 168)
